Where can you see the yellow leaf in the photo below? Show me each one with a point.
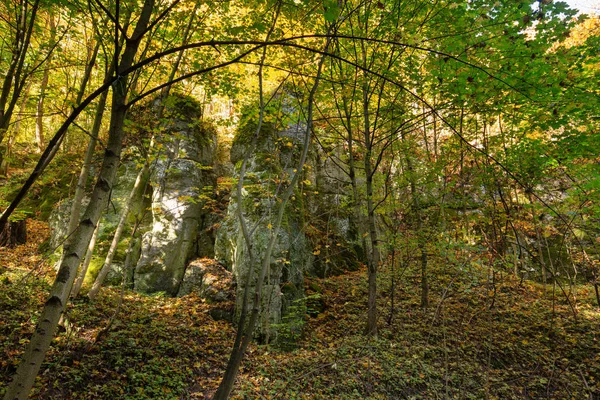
(317, 252)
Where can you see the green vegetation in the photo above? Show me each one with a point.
(397, 199)
(504, 340)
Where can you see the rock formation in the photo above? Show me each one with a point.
(182, 182)
(268, 166)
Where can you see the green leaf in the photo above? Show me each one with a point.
(332, 11)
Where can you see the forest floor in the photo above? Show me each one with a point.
(478, 339)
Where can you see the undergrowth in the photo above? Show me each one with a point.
(480, 339)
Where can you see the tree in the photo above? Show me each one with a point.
(59, 295)
(14, 80)
(389, 56)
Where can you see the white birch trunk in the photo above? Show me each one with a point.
(35, 353)
(86, 264)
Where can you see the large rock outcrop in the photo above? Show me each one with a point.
(270, 165)
(182, 182)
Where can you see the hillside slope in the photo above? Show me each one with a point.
(478, 340)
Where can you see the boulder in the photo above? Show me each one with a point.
(182, 183)
(274, 157)
(207, 279)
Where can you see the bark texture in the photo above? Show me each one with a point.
(35, 353)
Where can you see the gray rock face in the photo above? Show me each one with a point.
(58, 221)
(182, 181)
(272, 161)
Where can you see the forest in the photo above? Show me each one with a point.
(299, 199)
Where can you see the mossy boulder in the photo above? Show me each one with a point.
(182, 184)
(270, 165)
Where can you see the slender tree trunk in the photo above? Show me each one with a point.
(353, 182)
(74, 217)
(424, 278)
(538, 243)
(130, 259)
(418, 226)
(39, 115)
(421, 240)
(13, 84)
(357, 231)
(86, 264)
(392, 286)
(374, 256)
(357, 205)
(35, 353)
(106, 267)
(141, 177)
(7, 83)
(239, 346)
(245, 332)
(91, 147)
(21, 113)
(374, 259)
(4, 163)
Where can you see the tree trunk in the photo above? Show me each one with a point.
(86, 264)
(392, 287)
(418, 226)
(75, 215)
(355, 195)
(245, 332)
(13, 84)
(14, 233)
(35, 353)
(135, 192)
(4, 162)
(424, 279)
(538, 236)
(374, 257)
(87, 162)
(39, 115)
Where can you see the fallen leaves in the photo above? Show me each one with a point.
(162, 348)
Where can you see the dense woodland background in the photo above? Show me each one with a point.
(299, 199)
